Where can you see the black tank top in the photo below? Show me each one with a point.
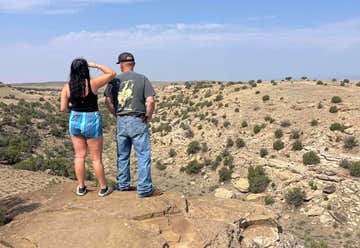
(89, 103)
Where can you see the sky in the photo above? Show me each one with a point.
(182, 40)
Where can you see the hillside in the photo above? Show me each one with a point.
(290, 146)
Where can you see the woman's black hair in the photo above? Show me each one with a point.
(79, 75)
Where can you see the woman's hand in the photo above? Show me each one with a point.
(93, 65)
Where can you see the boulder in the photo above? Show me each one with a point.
(224, 193)
(241, 184)
(256, 197)
(329, 189)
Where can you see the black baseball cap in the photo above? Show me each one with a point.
(125, 57)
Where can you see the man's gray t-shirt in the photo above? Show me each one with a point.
(129, 91)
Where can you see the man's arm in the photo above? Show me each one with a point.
(110, 105)
(150, 108)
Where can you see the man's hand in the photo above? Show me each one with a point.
(110, 105)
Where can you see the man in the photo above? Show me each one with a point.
(130, 97)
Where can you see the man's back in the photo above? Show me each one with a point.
(129, 92)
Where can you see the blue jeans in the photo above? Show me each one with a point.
(133, 131)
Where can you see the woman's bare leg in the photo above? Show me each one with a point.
(95, 148)
(80, 147)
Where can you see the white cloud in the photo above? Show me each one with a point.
(54, 6)
(178, 51)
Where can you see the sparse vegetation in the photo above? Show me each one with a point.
(314, 122)
(172, 153)
(244, 124)
(263, 152)
(224, 174)
(278, 133)
(337, 127)
(266, 98)
(355, 169)
(297, 145)
(310, 158)
(258, 180)
(193, 147)
(350, 142)
(278, 145)
(295, 134)
(229, 142)
(193, 167)
(295, 197)
(285, 123)
(333, 109)
(240, 143)
(160, 166)
(336, 99)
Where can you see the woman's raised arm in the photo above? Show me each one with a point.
(100, 81)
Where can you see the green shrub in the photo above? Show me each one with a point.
(219, 98)
(344, 163)
(310, 158)
(160, 166)
(2, 216)
(278, 133)
(257, 128)
(224, 174)
(310, 243)
(240, 143)
(337, 127)
(295, 197)
(319, 82)
(333, 109)
(244, 124)
(355, 169)
(263, 152)
(350, 142)
(227, 124)
(336, 99)
(204, 147)
(269, 200)
(297, 145)
(193, 147)
(266, 98)
(314, 122)
(269, 119)
(189, 133)
(285, 123)
(229, 142)
(193, 167)
(258, 180)
(295, 134)
(320, 105)
(278, 145)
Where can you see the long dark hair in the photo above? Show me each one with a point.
(79, 73)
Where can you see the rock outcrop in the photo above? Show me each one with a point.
(122, 220)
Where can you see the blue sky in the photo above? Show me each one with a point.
(182, 40)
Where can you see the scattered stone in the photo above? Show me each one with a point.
(329, 189)
(224, 193)
(241, 184)
(255, 197)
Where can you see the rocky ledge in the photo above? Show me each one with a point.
(58, 218)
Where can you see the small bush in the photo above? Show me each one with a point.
(257, 128)
(193, 147)
(268, 118)
(2, 216)
(344, 163)
(285, 123)
(160, 166)
(336, 99)
(172, 153)
(226, 124)
(237, 110)
(310, 158)
(266, 98)
(278, 133)
(333, 109)
(229, 142)
(337, 127)
(355, 169)
(204, 147)
(358, 84)
(320, 105)
(193, 167)
(240, 143)
(263, 152)
(244, 124)
(224, 174)
(269, 200)
(295, 197)
(278, 145)
(295, 134)
(319, 82)
(314, 122)
(297, 145)
(350, 142)
(258, 180)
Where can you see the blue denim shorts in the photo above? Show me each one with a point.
(86, 124)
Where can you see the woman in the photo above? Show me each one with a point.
(85, 124)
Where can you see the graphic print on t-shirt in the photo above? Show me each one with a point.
(125, 95)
